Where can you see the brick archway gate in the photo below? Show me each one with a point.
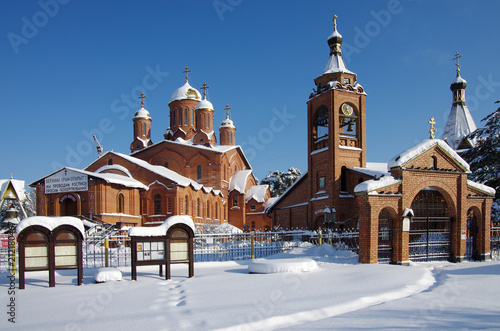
(430, 228)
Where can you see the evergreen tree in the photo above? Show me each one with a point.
(484, 157)
(280, 181)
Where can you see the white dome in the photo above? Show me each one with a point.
(204, 104)
(184, 92)
(142, 113)
(227, 123)
(459, 79)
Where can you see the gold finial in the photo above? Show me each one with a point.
(334, 22)
(432, 130)
(227, 110)
(204, 88)
(457, 56)
(142, 99)
(186, 71)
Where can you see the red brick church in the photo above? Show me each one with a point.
(419, 206)
(186, 173)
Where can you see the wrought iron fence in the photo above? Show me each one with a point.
(347, 239)
(495, 240)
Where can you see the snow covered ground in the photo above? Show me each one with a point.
(340, 294)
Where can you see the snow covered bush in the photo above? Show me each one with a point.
(280, 181)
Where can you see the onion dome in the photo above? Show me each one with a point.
(142, 113)
(335, 39)
(204, 104)
(227, 123)
(185, 92)
(458, 83)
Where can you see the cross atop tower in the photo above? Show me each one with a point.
(204, 88)
(227, 108)
(432, 130)
(457, 56)
(186, 71)
(334, 22)
(142, 99)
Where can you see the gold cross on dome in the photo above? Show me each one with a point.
(432, 130)
(142, 99)
(204, 88)
(457, 56)
(227, 110)
(186, 71)
(334, 22)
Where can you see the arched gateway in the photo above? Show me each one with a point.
(430, 227)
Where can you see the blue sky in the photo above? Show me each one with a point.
(70, 69)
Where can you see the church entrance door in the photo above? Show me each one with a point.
(68, 205)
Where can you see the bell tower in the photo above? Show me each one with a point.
(142, 128)
(336, 132)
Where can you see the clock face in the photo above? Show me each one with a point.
(347, 109)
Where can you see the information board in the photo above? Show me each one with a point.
(179, 251)
(37, 257)
(66, 255)
(150, 251)
(66, 181)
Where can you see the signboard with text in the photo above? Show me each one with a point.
(66, 181)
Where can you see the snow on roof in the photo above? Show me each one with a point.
(161, 230)
(375, 184)
(289, 189)
(142, 113)
(115, 167)
(50, 223)
(482, 187)
(184, 92)
(227, 228)
(17, 185)
(257, 192)
(238, 181)
(167, 173)
(411, 153)
(269, 202)
(204, 104)
(189, 142)
(227, 123)
(373, 169)
(336, 64)
(458, 126)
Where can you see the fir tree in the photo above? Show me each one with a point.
(484, 157)
(280, 181)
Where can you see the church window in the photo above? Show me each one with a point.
(157, 204)
(322, 182)
(180, 117)
(166, 164)
(192, 117)
(343, 179)
(320, 129)
(348, 120)
(186, 205)
(208, 209)
(169, 205)
(173, 118)
(235, 200)
(186, 116)
(121, 203)
(230, 138)
(208, 121)
(198, 207)
(252, 206)
(199, 172)
(110, 162)
(144, 129)
(433, 162)
(216, 211)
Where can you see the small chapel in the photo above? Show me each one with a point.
(186, 173)
(420, 206)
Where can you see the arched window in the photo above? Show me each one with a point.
(208, 209)
(186, 116)
(320, 129)
(433, 162)
(121, 203)
(348, 120)
(208, 121)
(343, 179)
(199, 172)
(172, 120)
(180, 117)
(186, 205)
(235, 200)
(216, 211)
(198, 207)
(110, 162)
(157, 204)
(144, 129)
(192, 117)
